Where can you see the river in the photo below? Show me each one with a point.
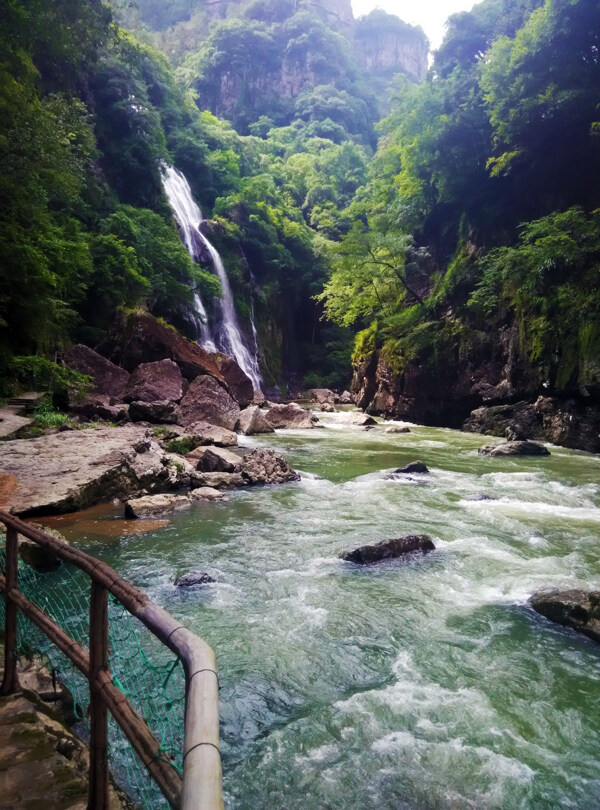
(420, 684)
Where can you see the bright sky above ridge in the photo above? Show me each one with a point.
(429, 14)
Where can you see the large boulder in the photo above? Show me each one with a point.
(160, 381)
(320, 395)
(518, 448)
(266, 467)
(207, 401)
(109, 379)
(389, 549)
(345, 398)
(252, 421)
(289, 416)
(216, 459)
(574, 608)
(97, 407)
(163, 412)
(358, 419)
(240, 384)
(138, 337)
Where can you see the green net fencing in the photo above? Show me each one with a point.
(146, 671)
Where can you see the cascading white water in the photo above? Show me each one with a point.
(229, 337)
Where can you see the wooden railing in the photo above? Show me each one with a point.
(201, 785)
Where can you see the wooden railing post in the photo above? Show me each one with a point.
(10, 682)
(98, 787)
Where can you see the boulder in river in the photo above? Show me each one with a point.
(207, 494)
(358, 419)
(345, 398)
(240, 384)
(573, 608)
(327, 407)
(207, 401)
(266, 467)
(220, 480)
(397, 429)
(194, 578)
(109, 379)
(413, 467)
(320, 395)
(517, 448)
(389, 549)
(153, 382)
(289, 416)
(150, 505)
(252, 421)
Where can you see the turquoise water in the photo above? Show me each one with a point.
(421, 684)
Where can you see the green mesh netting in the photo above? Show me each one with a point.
(146, 671)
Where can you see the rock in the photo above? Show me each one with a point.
(162, 412)
(252, 421)
(397, 429)
(520, 448)
(160, 381)
(194, 578)
(266, 467)
(65, 472)
(289, 416)
(138, 337)
(98, 407)
(389, 549)
(204, 433)
(358, 419)
(219, 480)
(150, 505)
(216, 459)
(575, 608)
(207, 494)
(320, 395)
(240, 384)
(413, 467)
(345, 398)
(327, 407)
(109, 379)
(481, 497)
(36, 556)
(207, 401)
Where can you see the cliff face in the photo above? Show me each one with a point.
(336, 13)
(384, 53)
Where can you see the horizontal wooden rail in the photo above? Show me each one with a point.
(201, 786)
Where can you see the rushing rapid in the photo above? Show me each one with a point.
(228, 336)
(421, 684)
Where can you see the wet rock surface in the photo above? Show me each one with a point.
(517, 448)
(577, 609)
(390, 549)
(206, 494)
(150, 505)
(194, 578)
(413, 467)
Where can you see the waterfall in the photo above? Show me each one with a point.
(228, 337)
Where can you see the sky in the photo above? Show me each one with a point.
(429, 14)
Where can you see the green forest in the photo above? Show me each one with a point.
(366, 210)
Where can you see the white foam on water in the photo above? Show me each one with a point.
(535, 510)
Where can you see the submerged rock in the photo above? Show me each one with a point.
(327, 407)
(207, 494)
(151, 505)
(207, 401)
(220, 480)
(36, 556)
(389, 549)
(252, 421)
(516, 448)
(574, 608)
(289, 416)
(413, 467)
(397, 429)
(194, 578)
